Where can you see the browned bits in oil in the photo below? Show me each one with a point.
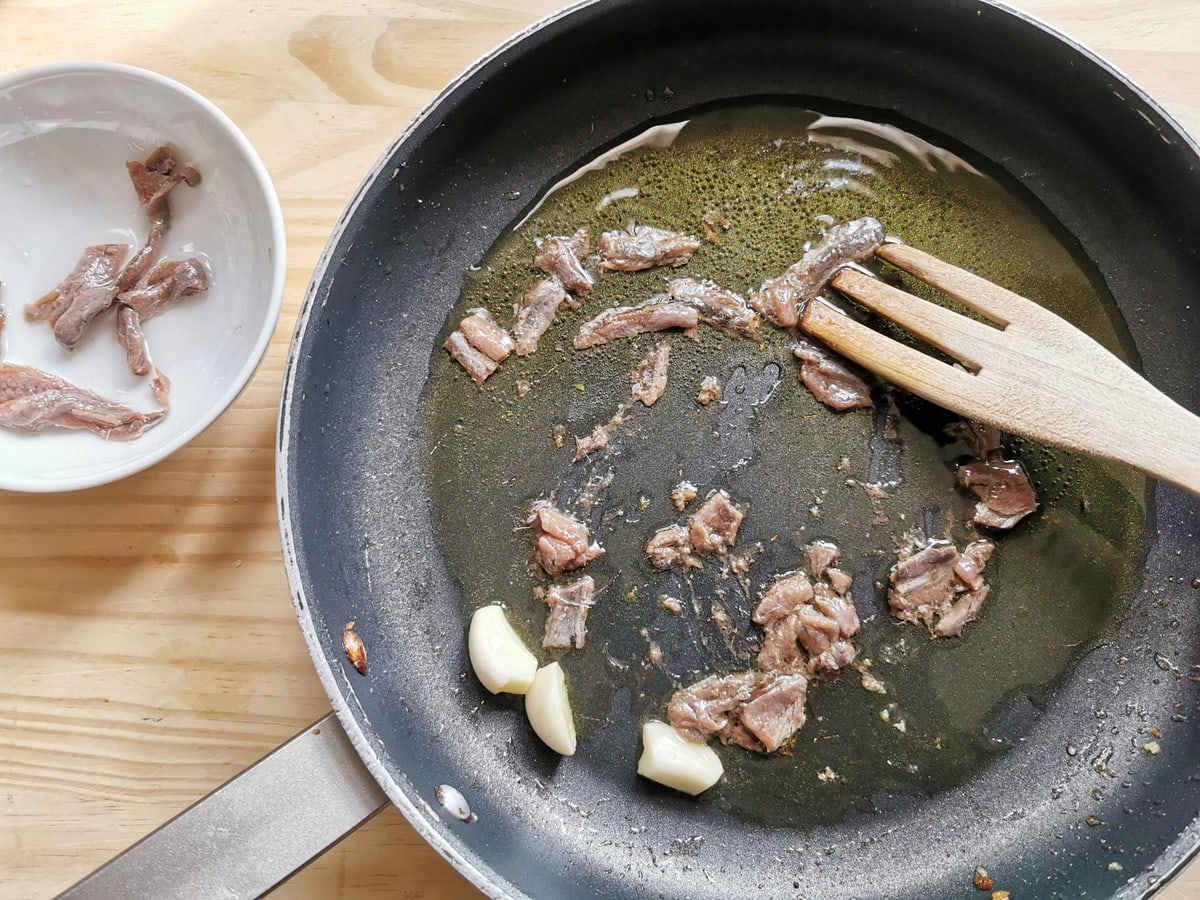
(353, 646)
(683, 494)
(670, 604)
(710, 390)
(981, 879)
(1000, 895)
(871, 683)
(712, 223)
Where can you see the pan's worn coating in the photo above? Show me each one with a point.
(1074, 795)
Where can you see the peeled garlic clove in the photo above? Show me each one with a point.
(673, 760)
(549, 709)
(499, 656)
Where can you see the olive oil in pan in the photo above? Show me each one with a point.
(1059, 581)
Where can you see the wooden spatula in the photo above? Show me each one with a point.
(1031, 373)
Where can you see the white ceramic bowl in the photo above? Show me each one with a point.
(66, 132)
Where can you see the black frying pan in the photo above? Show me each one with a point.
(1101, 159)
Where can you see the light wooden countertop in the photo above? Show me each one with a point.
(149, 651)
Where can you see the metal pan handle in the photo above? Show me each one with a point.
(252, 832)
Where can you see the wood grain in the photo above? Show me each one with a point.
(149, 649)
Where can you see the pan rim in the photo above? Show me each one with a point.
(490, 882)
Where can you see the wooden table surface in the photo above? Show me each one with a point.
(149, 650)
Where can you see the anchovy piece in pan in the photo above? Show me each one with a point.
(560, 257)
(649, 382)
(819, 556)
(644, 247)
(818, 616)
(569, 604)
(670, 547)
(599, 438)
(710, 529)
(717, 307)
(834, 381)
(650, 376)
(1001, 485)
(535, 311)
(561, 542)
(783, 298)
(777, 613)
(756, 710)
(479, 345)
(704, 709)
(481, 330)
(940, 587)
(627, 321)
(776, 711)
(827, 625)
(761, 709)
(787, 594)
(714, 526)
(476, 364)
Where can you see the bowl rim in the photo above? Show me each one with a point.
(270, 323)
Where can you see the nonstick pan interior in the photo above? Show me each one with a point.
(1104, 163)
